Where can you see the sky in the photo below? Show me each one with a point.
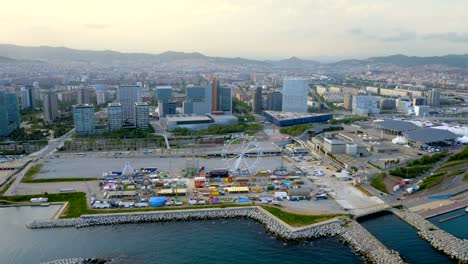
(259, 29)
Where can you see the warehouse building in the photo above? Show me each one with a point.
(195, 122)
(425, 137)
(395, 127)
(291, 118)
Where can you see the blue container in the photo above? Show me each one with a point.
(157, 201)
(243, 200)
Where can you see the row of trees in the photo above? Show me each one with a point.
(391, 162)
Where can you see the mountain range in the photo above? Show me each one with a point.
(13, 53)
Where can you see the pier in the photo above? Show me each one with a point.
(443, 209)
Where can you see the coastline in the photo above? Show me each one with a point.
(347, 231)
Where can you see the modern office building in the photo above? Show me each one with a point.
(295, 92)
(27, 97)
(274, 101)
(422, 110)
(293, 118)
(166, 108)
(142, 117)
(115, 116)
(84, 119)
(100, 93)
(84, 95)
(258, 100)
(197, 100)
(221, 97)
(50, 106)
(163, 93)
(366, 104)
(9, 113)
(127, 96)
(348, 102)
(387, 104)
(434, 97)
(417, 101)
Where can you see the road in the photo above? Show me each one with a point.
(52, 146)
(47, 151)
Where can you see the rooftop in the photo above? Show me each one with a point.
(184, 117)
(428, 135)
(292, 115)
(397, 125)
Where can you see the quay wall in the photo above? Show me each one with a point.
(452, 246)
(348, 231)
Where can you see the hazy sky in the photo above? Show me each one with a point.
(247, 28)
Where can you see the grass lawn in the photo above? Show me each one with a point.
(6, 186)
(299, 220)
(378, 182)
(77, 204)
(35, 169)
(58, 180)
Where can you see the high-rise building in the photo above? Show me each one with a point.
(84, 119)
(258, 100)
(348, 102)
(84, 95)
(417, 101)
(275, 101)
(100, 93)
(366, 104)
(25, 103)
(434, 97)
(295, 92)
(128, 95)
(221, 97)
(9, 113)
(197, 100)
(142, 115)
(163, 93)
(166, 108)
(115, 116)
(50, 106)
(27, 97)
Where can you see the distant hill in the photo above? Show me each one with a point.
(459, 61)
(51, 54)
(295, 62)
(12, 53)
(6, 59)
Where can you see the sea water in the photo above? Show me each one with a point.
(219, 241)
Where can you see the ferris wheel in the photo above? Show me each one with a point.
(241, 155)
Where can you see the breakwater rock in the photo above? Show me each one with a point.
(79, 261)
(452, 246)
(350, 232)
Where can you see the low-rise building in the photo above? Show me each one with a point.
(196, 122)
(292, 118)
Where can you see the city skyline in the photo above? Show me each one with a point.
(266, 30)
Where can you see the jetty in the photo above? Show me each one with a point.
(450, 245)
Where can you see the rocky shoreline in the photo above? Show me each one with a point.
(349, 232)
(79, 261)
(450, 245)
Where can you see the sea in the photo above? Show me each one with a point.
(398, 235)
(456, 226)
(220, 241)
